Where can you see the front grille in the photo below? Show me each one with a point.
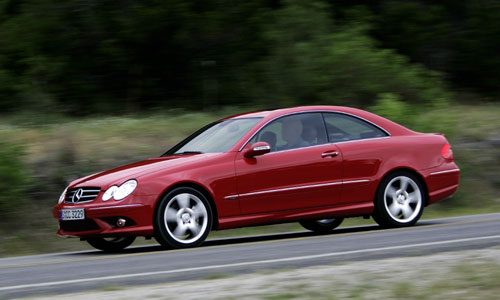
(83, 195)
(78, 225)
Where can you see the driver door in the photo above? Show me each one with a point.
(299, 172)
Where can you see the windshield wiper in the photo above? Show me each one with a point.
(188, 152)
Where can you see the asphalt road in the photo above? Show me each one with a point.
(78, 271)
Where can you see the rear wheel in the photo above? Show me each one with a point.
(399, 201)
(323, 225)
(183, 218)
(111, 244)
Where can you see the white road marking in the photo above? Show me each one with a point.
(249, 263)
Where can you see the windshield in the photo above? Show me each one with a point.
(216, 137)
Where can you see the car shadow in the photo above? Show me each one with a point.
(249, 239)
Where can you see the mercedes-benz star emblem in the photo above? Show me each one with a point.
(77, 196)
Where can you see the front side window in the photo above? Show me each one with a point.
(216, 137)
(342, 127)
(292, 132)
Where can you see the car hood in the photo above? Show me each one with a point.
(136, 170)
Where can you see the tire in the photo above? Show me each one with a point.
(111, 244)
(323, 225)
(183, 218)
(399, 201)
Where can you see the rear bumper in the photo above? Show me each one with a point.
(100, 220)
(442, 182)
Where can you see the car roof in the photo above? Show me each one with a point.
(271, 114)
(284, 111)
(392, 128)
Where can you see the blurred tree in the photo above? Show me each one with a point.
(109, 56)
(460, 38)
(418, 30)
(476, 60)
(13, 179)
(83, 57)
(314, 60)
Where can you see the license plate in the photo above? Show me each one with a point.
(73, 214)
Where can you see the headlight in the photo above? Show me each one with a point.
(125, 189)
(61, 198)
(119, 193)
(108, 194)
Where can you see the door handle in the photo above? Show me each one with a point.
(329, 153)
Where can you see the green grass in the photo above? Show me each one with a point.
(469, 280)
(217, 276)
(282, 296)
(111, 288)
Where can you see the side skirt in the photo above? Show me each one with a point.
(350, 210)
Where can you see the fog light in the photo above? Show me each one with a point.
(121, 222)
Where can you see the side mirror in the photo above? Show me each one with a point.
(257, 149)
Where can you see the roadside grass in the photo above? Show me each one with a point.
(288, 295)
(59, 150)
(470, 280)
(461, 275)
(467, 281)
(217, 276)
(111, 288)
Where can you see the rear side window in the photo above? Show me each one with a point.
(342, 127)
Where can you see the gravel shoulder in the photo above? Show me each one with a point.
(461, 275)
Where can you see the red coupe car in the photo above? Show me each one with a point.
(315, 165)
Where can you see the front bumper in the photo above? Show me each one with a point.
(100, 219)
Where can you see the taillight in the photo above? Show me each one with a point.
(446, 152)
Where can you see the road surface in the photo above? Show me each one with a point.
(79, 271)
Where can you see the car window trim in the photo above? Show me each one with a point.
(328, 144)
(295, 113)
(359, 119)
(324, 123)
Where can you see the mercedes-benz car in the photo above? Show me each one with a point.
(315, 165)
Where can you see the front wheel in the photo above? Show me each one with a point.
(111, 244)
(399, 201)
(183, 218)
(323, 225)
